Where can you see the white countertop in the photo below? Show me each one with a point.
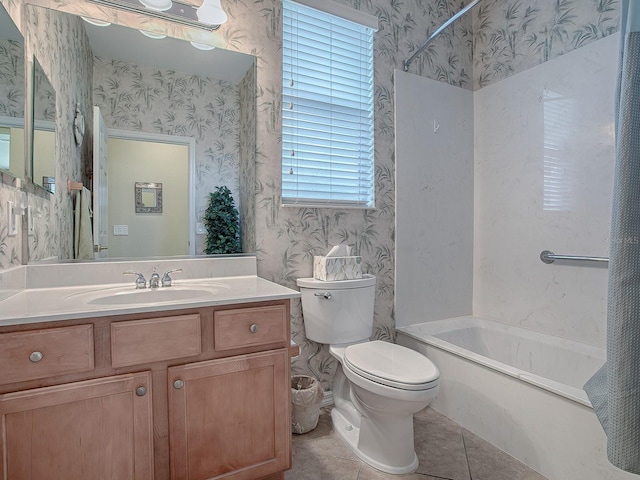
(36, 305)
(66, 291)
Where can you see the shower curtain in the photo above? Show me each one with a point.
(614, 390)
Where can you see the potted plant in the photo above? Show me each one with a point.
(222, 222)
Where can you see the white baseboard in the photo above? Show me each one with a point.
(327, 401)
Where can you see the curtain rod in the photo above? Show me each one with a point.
(407, 63)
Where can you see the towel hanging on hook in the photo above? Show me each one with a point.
(73, 186)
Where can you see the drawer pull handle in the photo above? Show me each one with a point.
(325, 295)
(141, 391)
(35, 357)
(178, 384)
(253, 328)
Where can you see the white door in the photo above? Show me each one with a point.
(100, 198)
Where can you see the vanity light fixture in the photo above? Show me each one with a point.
(155, 36)
(97, 23)
(211, 12)
(207, 17)
(202, 46)
(159, 5)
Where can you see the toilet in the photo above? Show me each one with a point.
(380, 385)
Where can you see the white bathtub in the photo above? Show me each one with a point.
(521, 391)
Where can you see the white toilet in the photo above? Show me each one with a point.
(380, 385)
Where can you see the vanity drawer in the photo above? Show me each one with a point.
(155, 339)
(247, 327)
(45, 353)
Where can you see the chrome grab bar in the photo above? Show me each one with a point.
(547, 256)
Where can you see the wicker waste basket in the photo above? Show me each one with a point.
(306, 396)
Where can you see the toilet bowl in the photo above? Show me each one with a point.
(379, 385)
(374, 406)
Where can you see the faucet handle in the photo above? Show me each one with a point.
(166, 279)
(140, 281)
(154, 280)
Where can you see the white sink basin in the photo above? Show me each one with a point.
(131, 296)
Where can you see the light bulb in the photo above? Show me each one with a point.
(211, 12)
(159, 5)
(155, 36)
(97, 23)
(202, 46)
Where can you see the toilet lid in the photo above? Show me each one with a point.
(392, 365)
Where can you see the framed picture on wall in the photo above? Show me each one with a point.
(148, 197)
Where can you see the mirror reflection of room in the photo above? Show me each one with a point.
(44, 116)
(163, 87)
(12, 84)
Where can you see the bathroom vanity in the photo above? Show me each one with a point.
(98, 385)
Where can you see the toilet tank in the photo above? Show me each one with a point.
(338, 312)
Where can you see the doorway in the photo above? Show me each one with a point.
(166, 161)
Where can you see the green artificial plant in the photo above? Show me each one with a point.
(222, 222)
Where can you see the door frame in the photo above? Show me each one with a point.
(190, 142)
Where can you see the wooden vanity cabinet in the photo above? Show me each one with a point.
(194, 394)
(228, 418)
(97, 429)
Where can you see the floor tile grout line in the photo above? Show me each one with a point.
(466, 455)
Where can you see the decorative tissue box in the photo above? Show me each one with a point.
(337, 268)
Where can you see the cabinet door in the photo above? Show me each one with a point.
(230, 418)
(97, 429)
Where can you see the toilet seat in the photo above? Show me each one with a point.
(391, 365)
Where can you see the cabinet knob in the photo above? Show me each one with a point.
(178, 384)
(35, 357)
(141, 391)
(253, 328)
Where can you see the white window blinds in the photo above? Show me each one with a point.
(327, 121)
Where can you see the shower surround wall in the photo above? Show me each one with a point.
(434, 199)
(543, 169)
(544, 156)
(544, 153)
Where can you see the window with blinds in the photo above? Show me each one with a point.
(327, 120)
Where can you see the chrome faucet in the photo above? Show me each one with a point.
(140, 281)
(166, 279)
(154, 281)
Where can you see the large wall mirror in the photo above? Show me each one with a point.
(170, 113)
(12, 100)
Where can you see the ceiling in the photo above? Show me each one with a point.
(130, 45)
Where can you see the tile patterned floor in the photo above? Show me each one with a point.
(446, 452)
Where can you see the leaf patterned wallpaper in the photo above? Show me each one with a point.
(10, 245)
(11, 105)
(513, 35)
(11, 78)
(509, 32)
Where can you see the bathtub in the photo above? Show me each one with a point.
(521, 391)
